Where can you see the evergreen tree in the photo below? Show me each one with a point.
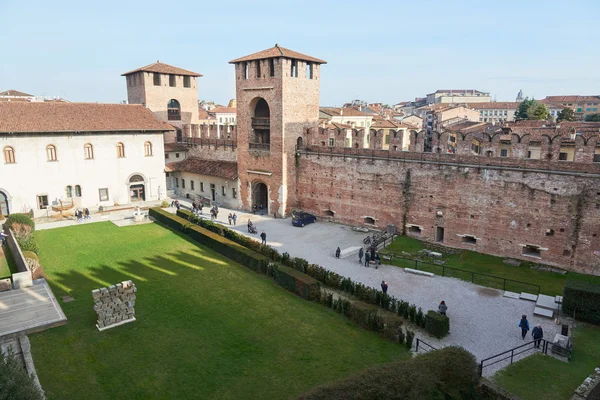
(538, 111)
(566, 115)
(15, 384)
(523, 108)
(593, 118)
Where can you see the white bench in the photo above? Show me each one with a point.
(528, 296)
(511, 295)
(349, 251)
(547, 302)
(417, 272)
(544, 312)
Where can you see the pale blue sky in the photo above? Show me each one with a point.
(380, 51)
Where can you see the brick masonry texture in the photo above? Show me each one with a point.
(115, 303)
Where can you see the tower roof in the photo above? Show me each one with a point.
(163, 68)
(276, 52)
(16, 93)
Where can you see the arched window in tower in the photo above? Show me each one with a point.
(147, 149)
(120, 150)
(77, 191)
(173, 110)
(69, 191)
(51, 152)
(9, 155)
(260, 139)
(88, 151)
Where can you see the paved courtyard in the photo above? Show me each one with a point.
(481, 320)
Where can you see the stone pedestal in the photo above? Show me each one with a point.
(115, 304)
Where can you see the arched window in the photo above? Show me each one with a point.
(120, 150)
(173, 110)
(88, 152)
(69, 191)
(9, 155)
(51, 152)
(77, 191)
(148, 149)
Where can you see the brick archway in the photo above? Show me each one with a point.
(260, 196)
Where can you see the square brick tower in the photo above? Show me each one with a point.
(277, 93)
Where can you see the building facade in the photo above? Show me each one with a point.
(581, 105)
(59, 156)
(458, 96)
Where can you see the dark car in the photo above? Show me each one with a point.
(303, 218)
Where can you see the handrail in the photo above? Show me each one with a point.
(544, 350)
(422, 342)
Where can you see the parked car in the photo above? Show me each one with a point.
(303, 218)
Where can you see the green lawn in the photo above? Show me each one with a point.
(544, 377)
(7, 263)
(550, 283)
(206, 328)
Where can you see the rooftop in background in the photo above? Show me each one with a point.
(572, 98)
(22, 117)
(223, 110)
(276, 52)
(509, 105)
(461, 91)
(14, 93)
(163, 68)
(221, 169)
(347, 111)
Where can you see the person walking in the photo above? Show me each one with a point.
(86, 212)
(538, 335)
(263, 236)
(234, 217)
(377, 260)
(249, 225)
(366, 259)
(384, 287)
(361, 253)
(524, 325)
(442, 308)
(337, 252)
(229, 218)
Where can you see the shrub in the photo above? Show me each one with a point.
(401, 336)
(23, 219)
(410, 336)
(412, 312)
(437, 324)
(29, 244)
(449, 373)
(15, 383)
(419, 317)
(164, 204)
(582, 299)
(297, 282)
(403, 309)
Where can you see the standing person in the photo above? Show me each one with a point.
(366, 259)
(234, 218)
(537, 334)
(373, 252)
(442, 308)
(384, 287)
(229, 218)
(3, 236)
(200, 208)
(524, 325)
(254, 209)
(249, 225)
(86, 211)
(263, 236)
(377, 260)
(337, 252)
(261, 209)
(361, 253)
(177, 205)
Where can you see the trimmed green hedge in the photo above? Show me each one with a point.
(19, 219)
(450, 374)
(297, 282)
(582, 299)
(437, 324)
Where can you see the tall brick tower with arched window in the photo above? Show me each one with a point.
(277, 92)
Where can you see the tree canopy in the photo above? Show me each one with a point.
(567, 114)
(531, 109)
(593, 118)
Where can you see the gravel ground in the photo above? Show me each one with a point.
(481, 320)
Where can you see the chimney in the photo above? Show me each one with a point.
(342, 111)
(353, 125)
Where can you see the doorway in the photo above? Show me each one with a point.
(137, 193)
(260, 196)
(213, 192)
(439, 234)
(4, 210)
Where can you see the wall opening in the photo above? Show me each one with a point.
(299, 144)
(369, 220)
(414, 230)
(469, 239)
(439, 234)
(329, 213)
(260, 196)
(550, 232)
(260, 137)
(532, 251)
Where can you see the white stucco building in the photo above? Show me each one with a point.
(80, 155)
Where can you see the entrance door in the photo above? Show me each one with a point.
(439, 234)
(213, 192)
(137, 193)
(4, 204)
(260, 196)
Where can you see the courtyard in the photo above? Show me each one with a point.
(206, 327)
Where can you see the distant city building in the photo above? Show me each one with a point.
(500, 111)
(458, 96)
(581, 105)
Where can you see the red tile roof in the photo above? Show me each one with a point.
(231, 110)
(572, 99)
(347, 111)
(163, 68)
(221, 169)
(16, 117)
(504, 105)
(12, 92)
(175, 147)
(276, 52)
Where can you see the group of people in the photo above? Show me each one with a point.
(255, 208)
(214, 212)
(175, 203)
(370, 255)
(537, 333)
(232, 218)
(81, 215)
(197, 207)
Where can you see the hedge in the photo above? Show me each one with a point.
(582, 299)
(303, 285)
(437, 324)
(30, 254)
(19, 219)
(449, 373)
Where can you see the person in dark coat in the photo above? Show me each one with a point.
(263, 236)
(366, 259)
(372, 252)
(538, 335)
(524, 325)
(377, 260)
(384, 286)
(361, 253)
(337, 252)
(442, 308)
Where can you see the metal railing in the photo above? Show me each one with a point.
(510, 354)
(202, 142)
(259, 146)
(424, 345)
(493, 281)
(261, 122)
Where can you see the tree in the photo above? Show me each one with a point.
(15, 384)
(593, 118)
(523, 108)
(538, 111)
(566, 115)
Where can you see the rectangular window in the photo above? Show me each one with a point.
(532, 251)
(309, 71)
(246, 67)
(223, 191)
(588, 109)
(166, 156)
(597, 158)
(176, 155)
(234, 193)
(258, 69)
(186, 81)
(172, 80)
(331, 142)
(468, 239)
(272, 66)
(202, 186)
(192, 184)
(503, 152)
(103, 194)
(183, 183)
(294, 69)
(42, 202)
(156, 79)
(176, 182)
(562, 156)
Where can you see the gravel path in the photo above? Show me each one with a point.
(481, 320)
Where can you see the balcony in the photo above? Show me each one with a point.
(261, 122)
(263, 147)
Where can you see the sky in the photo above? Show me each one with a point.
(385, 51)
